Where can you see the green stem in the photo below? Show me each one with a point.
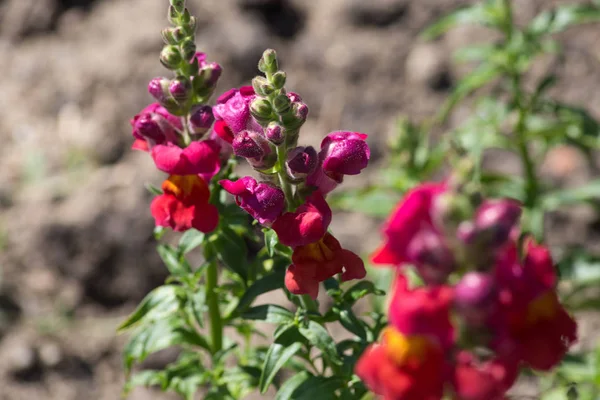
(185, 133)
(282, 174)
(308, 303)
(214, 312)
(531, 188)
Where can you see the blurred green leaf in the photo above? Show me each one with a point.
(276, 358)
(231, 250)
(162, 301)
(588, 193)
(153, 189)
(287, 390)
(373, 202)
(559, 19)
(319, 388)
(191, 239)
(318, 336)
(475, 14)
(360, 290)
(177, 266)
(269, 313)
(270, 282)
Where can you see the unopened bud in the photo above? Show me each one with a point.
(159, 89)
(209, 74)
(431, 256)
(186, 17)
(278, 79)
(173, 15)
(294, 97)
(180, 89)
(201, 119)
(268, 62)
(261, 110)
(168, 35)
(170, 57)
(496, 219)
(178, 4)
(281, 104)
(250, 144)
(189, 27)
(301, 162)
(274, 133)
(262, 87)
(292, 121)
(188, 50)
(475, 298)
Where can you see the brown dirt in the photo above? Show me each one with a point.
(75, 232)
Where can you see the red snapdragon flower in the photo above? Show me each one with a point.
(315, 262)
(486, 380)
(307, 224)
(539, 325)
(184, 205)
(404, 367)
(412, 216)
(198, 158)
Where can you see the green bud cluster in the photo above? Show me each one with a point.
(180, 47)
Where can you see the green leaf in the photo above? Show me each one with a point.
(196, 306)
(231, 250)
(158, 335)
(352, 324)
(319, 388)
(360, 290)
(162, 301)
(153, 189)
(482, 75)
(286, 392)
(559, 19)
(275, 359)
(269, 313)
(191, 239)
(468, 15)
(588, 193)
(177, 266)
(475, 53)
(270, 282)
(318, 336)
(271, 241)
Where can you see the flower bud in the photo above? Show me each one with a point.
(180, 89)
(281, 104)
(294, 97)
(294, 120)
(278, 80)
(209, 74)
(170, 57)
(168, 35)
(262, 87)
(159, 89)
(431, 256)
(250, 144)
(475, 298)
(178, 4)
(345, 153)
(268, 62)
(301, 162)
(173, 14)
(274, 133)
(496, 219)
(261, 110)
(188, 49)
(201, 119)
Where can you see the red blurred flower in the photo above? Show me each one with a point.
(184, 205)
(422, 311)
(403, 367)
(412, 215)
(316, 262)
(307, 224)
(487, 380)
(541, 328)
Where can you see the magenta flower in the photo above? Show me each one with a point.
(201, 119)
(264, 201)
(233, 107)
(497, 220)
(344, 153)
(301, 161)
(249, 144)
(307, 224)
(155, 125)
(199, 158)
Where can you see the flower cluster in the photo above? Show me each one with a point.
(486, 306)
(262, 122)
(176, 130)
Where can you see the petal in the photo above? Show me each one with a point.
(140, 144)
(206, 218)
(300, 280)
(354, 267)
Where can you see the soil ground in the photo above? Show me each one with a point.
(76, 251)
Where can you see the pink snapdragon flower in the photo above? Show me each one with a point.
(199, 158)
(233, 107)
(264, 201)
(154, 125)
